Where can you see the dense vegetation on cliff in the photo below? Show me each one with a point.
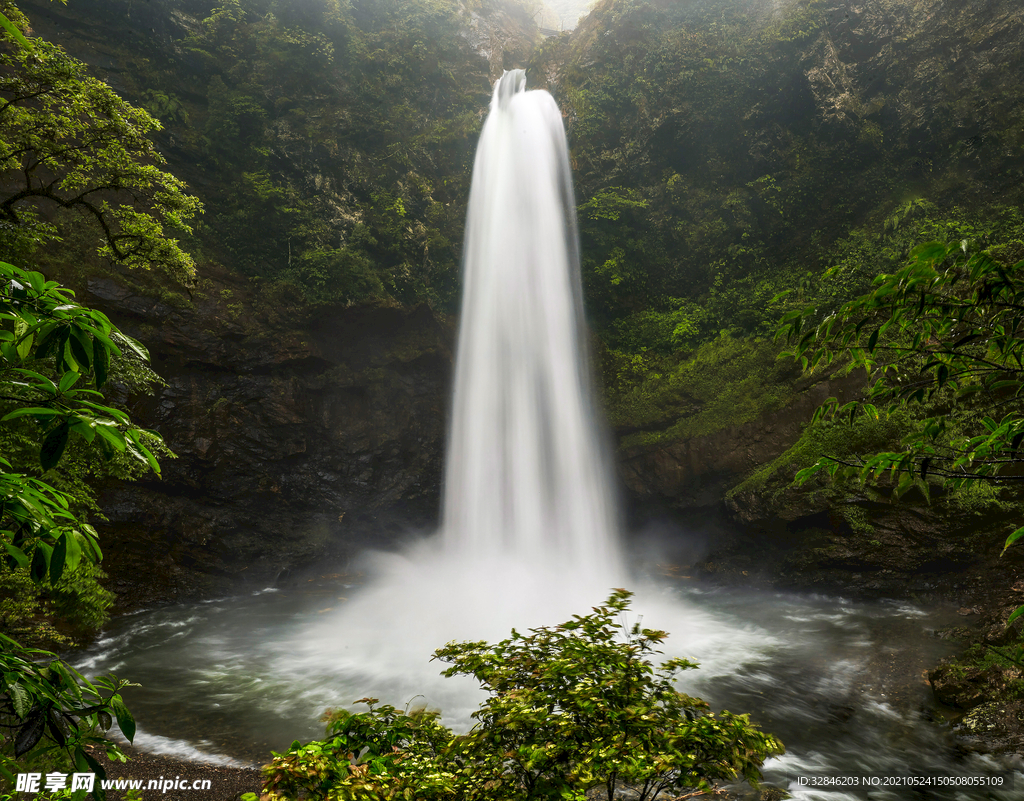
(330, 141)
(725, 151)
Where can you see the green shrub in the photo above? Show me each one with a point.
(573, 709)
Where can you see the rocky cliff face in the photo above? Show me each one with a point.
(504, 33)
(938, 78)
(696, 473)
(296, 440)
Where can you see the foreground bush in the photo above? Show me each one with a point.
(573, 708)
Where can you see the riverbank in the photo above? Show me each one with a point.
(184, 779)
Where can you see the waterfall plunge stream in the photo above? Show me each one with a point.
(529, 537)
(526, 476)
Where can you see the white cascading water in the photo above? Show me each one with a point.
(529, 531)
(526, 478)
(529, 534)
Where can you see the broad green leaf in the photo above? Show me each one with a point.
(74, 550)
(140, 451)
(929, 252)
(25, 346)
(21, 699)
(14, 32)
(84, 428)
(125, 721)
(17, 554)
(58, 559)
(101, 332)
(100, 361)
(40, 562)
(68, 380)
(53, 446)
(111, 434)
(42, 382)
(91, 541)
(806, 474)
(47, 343)
(136, 346)
(80, 348)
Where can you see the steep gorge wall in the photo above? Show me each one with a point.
(296, 440)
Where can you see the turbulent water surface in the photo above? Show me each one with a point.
(840, 682)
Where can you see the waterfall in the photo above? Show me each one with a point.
(529, 532)
(527, 476)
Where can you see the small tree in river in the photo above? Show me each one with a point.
(574, 710)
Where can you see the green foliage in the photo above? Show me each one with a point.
(77, 602)
(721, 384)
(55, 357)
(51, 349)
(673, 204)
(12, 30)
(948, 323)
(68, 141)
(803, 20)
(573, 710)
(678, 328)
(944, 334)
(338, 139)
(48, 709)
(378, 754)
(580, 705)
(838, 438)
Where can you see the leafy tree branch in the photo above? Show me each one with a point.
(68, 140)
(575, 711)
(944, 334)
